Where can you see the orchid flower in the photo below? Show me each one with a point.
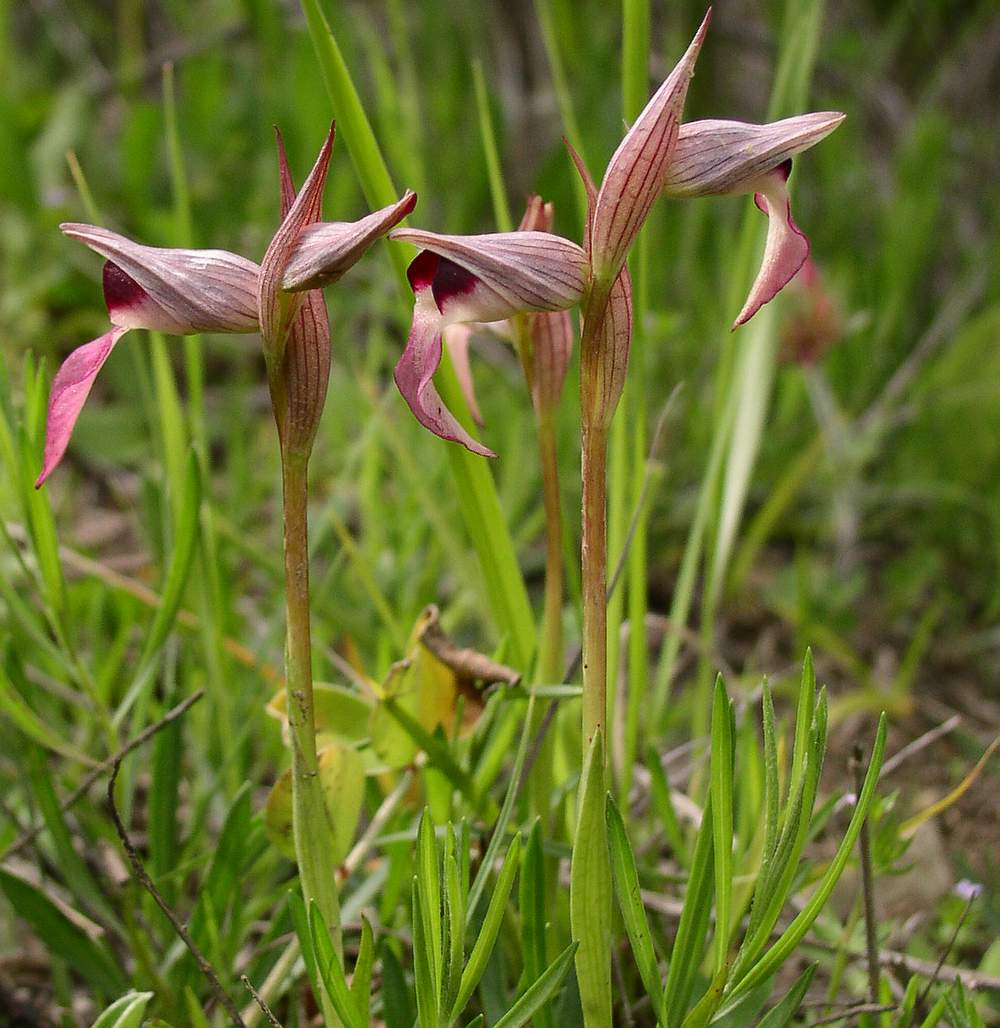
(188, 292)
(544, 340)
(719, 158)
(485, 278)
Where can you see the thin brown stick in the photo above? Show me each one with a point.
(944, 953)
(920, 743)
(147, 883)
(28, 837)
(858, 1008)
(259, 1000)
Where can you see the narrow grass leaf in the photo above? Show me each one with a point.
(590, 891)
(781, 1013)
(503, 819)
(300, 921)
(539, 992)
(126, 1012)
(361, 980)
(71, 866)
(483, 947)
(793, 934)
(423, 961)
(429, 879)
(397, 1003)
(722, 818)
(626, 879)
(332, 972)
(663, 804)
(689, 943)
(89, 958)
(491, 153)
(532, 905)
(771, 784)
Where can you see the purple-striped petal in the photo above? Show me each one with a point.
(414, 375)
(635, 174)
(302, 389)
(69, 392)
(715, 158)
(786, 248)
(278, 307)
(495, 276)
(181, 292)
(607, 344)
(326, 250)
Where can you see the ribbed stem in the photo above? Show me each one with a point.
(550, 658)
(594, 578)
(312, 831)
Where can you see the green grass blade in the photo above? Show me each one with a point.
(590, 891)
(626, 879)
(532, 906)
(722, 818)
(494, 172)
(539, 992)
(503, 819)
(63, 938)
(331, 972)
(361, 980)
(663, 804)
(429, 879)
(483, 948)
(689, 943)
(780, 1015)
(780, 950)
(127, 1012)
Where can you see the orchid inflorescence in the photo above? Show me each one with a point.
(456, 279)
(187, 292)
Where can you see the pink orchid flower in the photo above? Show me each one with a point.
(188, 292)
(720, 158)
(485, 278)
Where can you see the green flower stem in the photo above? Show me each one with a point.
(311, 826)
(594, 569)
(550, 655)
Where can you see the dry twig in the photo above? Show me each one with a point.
(28, 837)
(147, 883)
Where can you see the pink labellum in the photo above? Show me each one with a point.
(181, 292)
(327, 249)
(495, 276)
(414, 375)
(715, 158)
(70, 389)
(276, 307)
(786, 248)
(458, 339)
(636, 172)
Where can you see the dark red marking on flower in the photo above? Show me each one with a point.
(421, 270)
(121, 291)
(784, 169)
(445, 278)
(451, 280)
